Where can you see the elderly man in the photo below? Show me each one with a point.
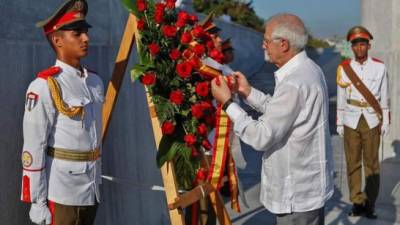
(293, 130)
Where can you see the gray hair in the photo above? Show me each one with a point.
(291, 28)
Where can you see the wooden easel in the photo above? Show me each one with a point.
(176, 202)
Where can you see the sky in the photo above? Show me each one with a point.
(323, 18)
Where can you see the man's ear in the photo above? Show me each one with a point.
(285, 45)
(57, 39)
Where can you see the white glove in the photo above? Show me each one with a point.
(40, 213)
(385, 129)
(340, 130)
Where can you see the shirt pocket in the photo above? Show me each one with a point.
(76, 101)
(71, 168)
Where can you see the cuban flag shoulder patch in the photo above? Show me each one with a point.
(31, 100)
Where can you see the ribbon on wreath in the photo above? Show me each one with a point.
(221, 148)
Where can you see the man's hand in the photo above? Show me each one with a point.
(340, 130)
(243, 86)
(40, 213)
(385, 129)
(220, 89)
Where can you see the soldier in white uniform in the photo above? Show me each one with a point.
(62, 127)
(360, 123)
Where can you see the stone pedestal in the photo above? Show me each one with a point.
(382, 18)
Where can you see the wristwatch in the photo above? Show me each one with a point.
(226, 104)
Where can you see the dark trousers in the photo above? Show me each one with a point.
(314, 217)
(72, 215)
(362, 143)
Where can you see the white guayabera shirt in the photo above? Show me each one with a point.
(293, 132)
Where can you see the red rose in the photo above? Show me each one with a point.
(198, 31)
(202, 129)
(154, 49)
(182, 15)
(148, 78)
(210, 120)
(197, 111)
(141, 24)
(186, 38)
(190, 139)
(159, 13)
(206, 105)
(193, 18)
(199, 49)
(167, 127)
(174, 54)
(202, 174)
(217, 55)
(202, 88)
(206, 144)
(195, 153)
(195, 62)
(187, 53)
(210, 45)
(169, 31)
(184, 69)
(170, 4)
(176, 97)
(141, 5)
(160, 6)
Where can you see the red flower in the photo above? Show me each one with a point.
(187, 53)
(197, 111)
(198, 31)
(167, 127)
(190, 139)
(217, 55)
(176, 97)
(210, 120)
(141, 5)
(186, 38)
(182, 15)
(206, 144)
(210, 45)
(201, 175)
(170, 4)
(184, 69)
(202, 129)
(141, 24)
(159, 13)
(195, 153)
(202, 88)
(148, 78)
(180, 23)
(169, 31)
(193, 18)
(195, 62)
(206, 105)
(174, 54)
(154, 49)
(199, 49)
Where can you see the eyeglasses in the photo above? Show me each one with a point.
(267, 42)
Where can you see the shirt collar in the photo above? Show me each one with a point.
(369, 59)
(288, 68)
(70, 69)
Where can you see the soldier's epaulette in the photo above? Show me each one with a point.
(49, 72)
(91, 71)
(377, 60)
(345, 62)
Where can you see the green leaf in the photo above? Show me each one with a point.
(138, 70)
(168, 149)
(130, 5)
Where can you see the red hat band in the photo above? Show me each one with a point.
(66, 18)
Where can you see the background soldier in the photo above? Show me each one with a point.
(62, 127)
(362, 115)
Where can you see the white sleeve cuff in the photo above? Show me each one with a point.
(234, 111)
